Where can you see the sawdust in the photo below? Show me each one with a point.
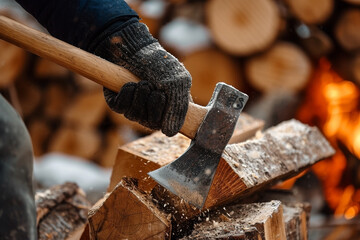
(192, 196)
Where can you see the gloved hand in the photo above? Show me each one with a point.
(160, 100)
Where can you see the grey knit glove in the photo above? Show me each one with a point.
(160, 100)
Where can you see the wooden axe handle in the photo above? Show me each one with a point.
(93, 67)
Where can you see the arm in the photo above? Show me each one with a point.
(111, 30)
(78, 22)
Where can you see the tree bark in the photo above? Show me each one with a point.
(61, 212)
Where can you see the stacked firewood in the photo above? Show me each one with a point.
(236, 207)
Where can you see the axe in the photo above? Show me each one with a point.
(210, 127)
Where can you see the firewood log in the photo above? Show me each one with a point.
(311, 12)
(57, 101)
(243, 221)
(284, 67)
(137, 158)
(78, 141)
(208, 67)
(86, 84)
(276, 215)
(279, 153)
(110, 147)
(316, 42)
(128, 213)
(243, 27)
(45, 69)
(87, 110)
(296, 213)
(121, 120)
(29, 96)
(13, 61)
(346, 30)
(40, 132)
(61, 212)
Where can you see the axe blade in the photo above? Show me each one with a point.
(190, 176)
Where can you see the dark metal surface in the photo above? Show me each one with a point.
(190, 176)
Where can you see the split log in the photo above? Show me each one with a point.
(29, 96)
(279, 153)
(243, 221)
(86, 84)
(296, 214)
(61, 212)
(311, 12)
(12, 63)
(137, 158)
(347, 30)
(243, 27)
(40, 132)
(88, 109)
(207, 68)
(121, 120)
(109, 148)
(269, 219)
(128, 213)
(45, 69)
(77, 141)
(284, 67)
(57, 100)
(13, 58)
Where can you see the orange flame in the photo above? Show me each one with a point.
(332, 104)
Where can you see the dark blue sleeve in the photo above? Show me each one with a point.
(78, 21)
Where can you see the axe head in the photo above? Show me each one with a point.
(190, 176)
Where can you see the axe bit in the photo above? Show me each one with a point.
(210, 127)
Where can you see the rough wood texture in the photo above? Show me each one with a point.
(128, 213)
(346, 30)
(243, 27)
(207, 68)
(243, 221)
(296, 214)
(61, 212)
(137, 158)
(285, 67)
(281, 152)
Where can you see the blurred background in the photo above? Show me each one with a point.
(294, 58)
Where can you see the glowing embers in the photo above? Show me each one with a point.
(332, 104)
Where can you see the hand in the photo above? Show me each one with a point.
(160, 100)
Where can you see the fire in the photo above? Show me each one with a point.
(332, 104)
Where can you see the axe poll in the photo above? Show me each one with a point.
(210, 127)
